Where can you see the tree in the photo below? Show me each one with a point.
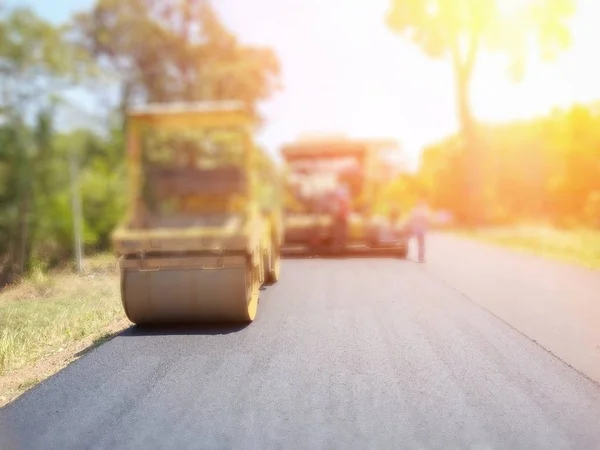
(33, 55)
(459, 29)
(37, 60)
(543, 169)
(169, 51)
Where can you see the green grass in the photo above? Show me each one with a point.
(575, 246)
(46, 312)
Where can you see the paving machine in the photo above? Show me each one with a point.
(316, 169)
(203, 232)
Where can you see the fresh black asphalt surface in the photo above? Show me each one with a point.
(350, 353)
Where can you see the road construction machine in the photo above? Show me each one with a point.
(317, 169)
(203, 229)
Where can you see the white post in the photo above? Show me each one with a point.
(76, 207)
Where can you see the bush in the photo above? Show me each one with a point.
(592, 209)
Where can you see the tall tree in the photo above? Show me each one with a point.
(458, 30)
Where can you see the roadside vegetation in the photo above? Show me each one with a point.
(48, 311)
(578, 246)
(47, 314)
(542, 170)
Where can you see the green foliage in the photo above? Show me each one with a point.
(30, 45)
(591, 210)
(270, 181)
(34, 58)
(176, 51)
(102, 183)
(400, 195)
(36, 224)
(37, 59)
(160, 51)
(541, 169)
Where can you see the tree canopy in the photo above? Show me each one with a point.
(544, 169)
(461, 29)
(37, 60)
(33, 56)
(166, 51)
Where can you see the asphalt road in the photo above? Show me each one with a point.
(352, 353)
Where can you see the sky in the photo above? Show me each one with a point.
(344, 72)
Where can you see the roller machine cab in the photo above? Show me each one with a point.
(197, 243)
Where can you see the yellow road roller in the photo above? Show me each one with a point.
(203, 228)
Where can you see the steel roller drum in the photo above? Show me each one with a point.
(189, 290)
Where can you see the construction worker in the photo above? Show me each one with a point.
(341, 213)
(418, 223)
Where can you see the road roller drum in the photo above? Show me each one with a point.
(190, 290)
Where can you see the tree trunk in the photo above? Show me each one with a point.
(125, 94)
(76, 211)
(471, 168)
(24, 200)
(24, 213)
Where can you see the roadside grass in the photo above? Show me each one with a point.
(578, 246)
(45, 313)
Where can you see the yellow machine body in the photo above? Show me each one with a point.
(197, 242)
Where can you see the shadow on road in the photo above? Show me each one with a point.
(353, 252)
(292, 256)
(97, 343)
(165, 330)
(182, 330)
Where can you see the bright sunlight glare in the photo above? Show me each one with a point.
(510, 7)
(366, 81)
